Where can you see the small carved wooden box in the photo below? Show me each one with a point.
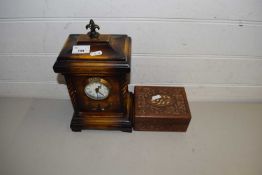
(161, 109)
(97, 72)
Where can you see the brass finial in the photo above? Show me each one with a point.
(92, 33)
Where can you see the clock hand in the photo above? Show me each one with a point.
(97, 89)
(101, 93)
(98, 92)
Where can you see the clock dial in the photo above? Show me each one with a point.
(97, 89)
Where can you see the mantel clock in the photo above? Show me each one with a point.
(96, 68)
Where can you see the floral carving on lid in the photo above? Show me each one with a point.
(161, 101)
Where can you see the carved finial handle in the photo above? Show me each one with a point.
(92, 33)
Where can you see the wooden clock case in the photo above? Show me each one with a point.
(113, 66)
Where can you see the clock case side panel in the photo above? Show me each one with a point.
(71, 91)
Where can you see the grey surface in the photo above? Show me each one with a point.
(223, 138)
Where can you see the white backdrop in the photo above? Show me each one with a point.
(213, 48)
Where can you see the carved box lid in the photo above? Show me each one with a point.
(161, 108)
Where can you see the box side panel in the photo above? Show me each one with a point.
(157, 124)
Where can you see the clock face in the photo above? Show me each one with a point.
(97, 89)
